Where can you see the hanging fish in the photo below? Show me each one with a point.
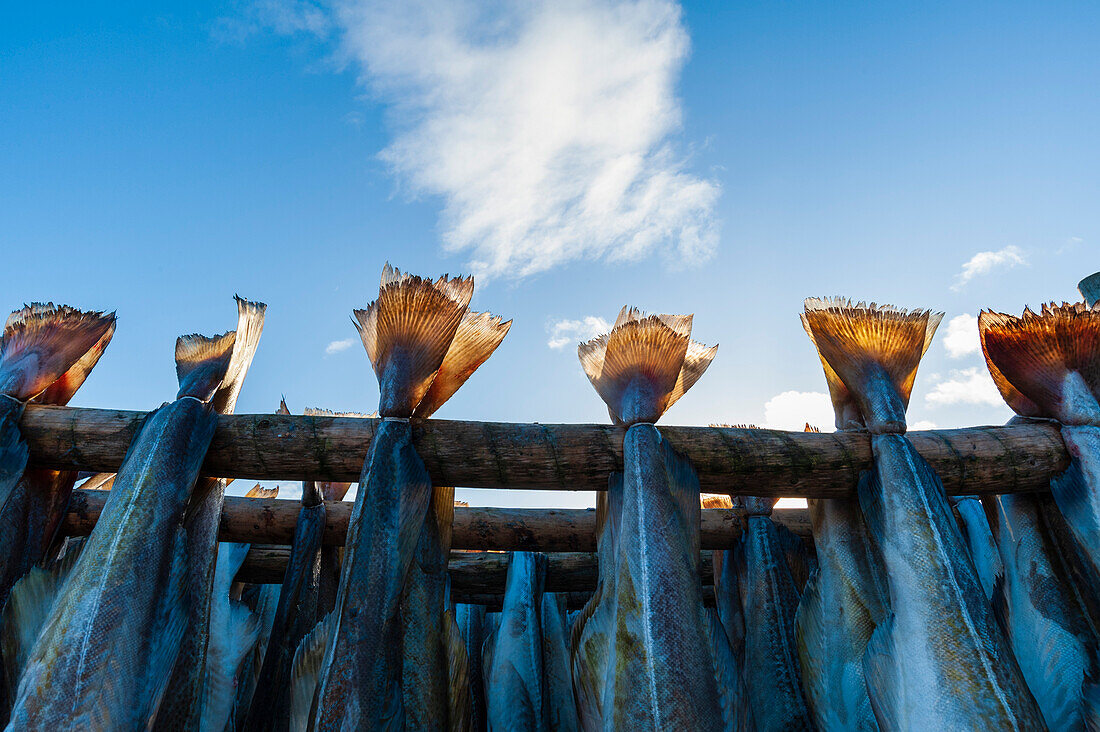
(105, 652)
(561, 707)
(1050, 633)
(407, 333)
(979, 539)
(658, 630)
(847, 597)
(939, 660)
(182, 707)
(769, 600)
(471, 624)
(515, 688)
(1090, 289)
(435, 658)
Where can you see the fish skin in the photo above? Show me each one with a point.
(471, 623)
(840, 607)
(980, 541)
(514, 687)
(97, 663)
(561, 708)
(772, 673)
(359, 684)
(295, 617)
(659, 647)
(940, 660)
(424, 679)
(1051, 638)
(1077, 489)
(13, 449)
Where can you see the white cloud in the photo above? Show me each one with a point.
(565, 332)
(337, 346)
(546, 126)
(985, 262)
(965, 386)
(962, 336)
(791, 410)
(921, 424)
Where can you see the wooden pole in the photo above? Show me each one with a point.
(271, 521)
(1012, 459)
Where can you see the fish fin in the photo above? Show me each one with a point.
(305, 670)
(99, 482)
(636, 368)
(800, 560)
(415, 320)
(283, 408)
(999, 602)
(223, 664)
(458, 674)
(715, 500)
(258, 491)
(250, 326)
(477, 337)
(1031, 359)
(42, 342)
(875, 350)
(844, 404)
(696, 361)
(1090, 289)
(62, 390)
(28, 607)
(880, 669)
(202, 363)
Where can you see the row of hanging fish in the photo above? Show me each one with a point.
(909, 611)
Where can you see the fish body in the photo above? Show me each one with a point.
(295, 617)
(660, 670)
(980, 541)
(471, 624)
(1051, 637)
(561, 708)
(770, 600)
(111, 636)
(360, 680)
(840, 607)
(940, 660)
(514, 684)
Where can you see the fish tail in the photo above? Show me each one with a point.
(305, 670)
(476, 338)
(202, 363)
(644, 364)
(874, 350)
(258, 491)
(1046, 364)
(407, 332)
(458, 673)
(250, 326)
(62, 390)
(42, 342)
(1090, 289)
(845, 409)
(443, 513)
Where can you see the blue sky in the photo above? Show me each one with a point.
(725, 159)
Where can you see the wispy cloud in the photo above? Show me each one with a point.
(565, 332)
(791, 410)
(962, 336)
(965, 386)
(337, 346)
(985, 262)
(546, 127)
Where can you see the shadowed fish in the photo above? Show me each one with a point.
(1090, 289)
(660, 669)
(939, 660)
(108, 643)
(471, 624)
(561, 707)
(182, 708)
(980, 541)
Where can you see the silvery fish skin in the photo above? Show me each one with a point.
(295, 616)
(561, 707)
(939, 661)
(471, 622)
(979, 539)
(1050, 634)
(840, 607)
(360, 680)
(1077, 490)
(109, 643)
(660, 671)
(514, 687)
(770, 600)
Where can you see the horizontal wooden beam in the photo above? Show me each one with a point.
(472, 573)
(271, 521)
(1012, 459)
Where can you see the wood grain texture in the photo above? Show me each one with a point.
(271, 521)
(1012, 459)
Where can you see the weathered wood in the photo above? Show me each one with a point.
(271, 521)
(472, 573)
(1011, 459)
